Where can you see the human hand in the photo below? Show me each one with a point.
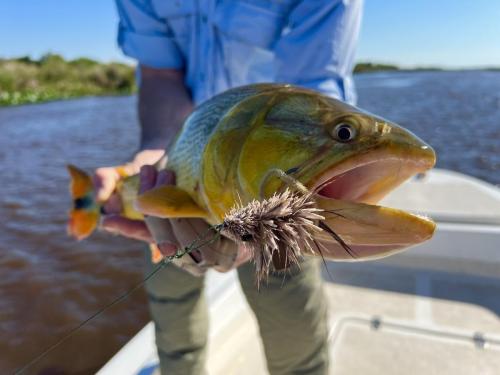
(105, 180)
(221, 254)
(114, 223)
(214, 251)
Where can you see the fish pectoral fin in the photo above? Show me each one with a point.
(156, 255)
(168, 202)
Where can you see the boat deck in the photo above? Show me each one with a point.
(434, 309)
(389, 321)
(384, 320)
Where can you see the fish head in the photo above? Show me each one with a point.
(350, 159)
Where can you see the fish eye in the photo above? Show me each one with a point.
(344, 132)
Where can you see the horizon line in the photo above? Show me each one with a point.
(127, 61)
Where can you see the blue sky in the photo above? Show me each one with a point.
(450, 33)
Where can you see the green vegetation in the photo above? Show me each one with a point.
(24, 80)
(371, 67)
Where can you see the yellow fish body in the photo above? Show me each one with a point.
(232, 148)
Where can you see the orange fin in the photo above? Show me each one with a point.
(82, 222)
(168, 202)
(85, 214)
(156, 255)
(81, 183)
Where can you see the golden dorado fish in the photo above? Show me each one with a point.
(247, 142)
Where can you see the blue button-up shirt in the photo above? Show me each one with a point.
(226, 43)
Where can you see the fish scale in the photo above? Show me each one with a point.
(186, 153)
(249, 142)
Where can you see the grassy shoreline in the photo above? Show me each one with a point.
(24, 80)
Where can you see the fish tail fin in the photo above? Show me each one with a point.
(85, 213)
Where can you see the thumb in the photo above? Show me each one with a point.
(105, 182)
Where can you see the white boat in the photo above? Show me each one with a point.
(433, 309)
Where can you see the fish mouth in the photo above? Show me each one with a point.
(368, 181)
(348, 192)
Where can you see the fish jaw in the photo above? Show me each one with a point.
(369, 231)
(348, 192)
(369, 177)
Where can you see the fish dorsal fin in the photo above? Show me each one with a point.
(168, 202)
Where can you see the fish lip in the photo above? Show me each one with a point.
(352, 164)
(370, 230)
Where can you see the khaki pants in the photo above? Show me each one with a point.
(290, 310)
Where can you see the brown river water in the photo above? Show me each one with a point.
(50, 283)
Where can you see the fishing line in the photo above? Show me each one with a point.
(165, 261)
(204, 239)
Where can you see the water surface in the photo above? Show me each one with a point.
(50, 283)
(458, 113)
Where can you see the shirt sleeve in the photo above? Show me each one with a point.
(146, 37)
(317, 48)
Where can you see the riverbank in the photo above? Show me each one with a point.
(24, 80)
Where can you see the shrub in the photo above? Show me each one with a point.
(23, 80)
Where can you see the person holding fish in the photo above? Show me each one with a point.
(188, 51)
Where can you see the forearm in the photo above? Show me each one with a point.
(164, 104)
